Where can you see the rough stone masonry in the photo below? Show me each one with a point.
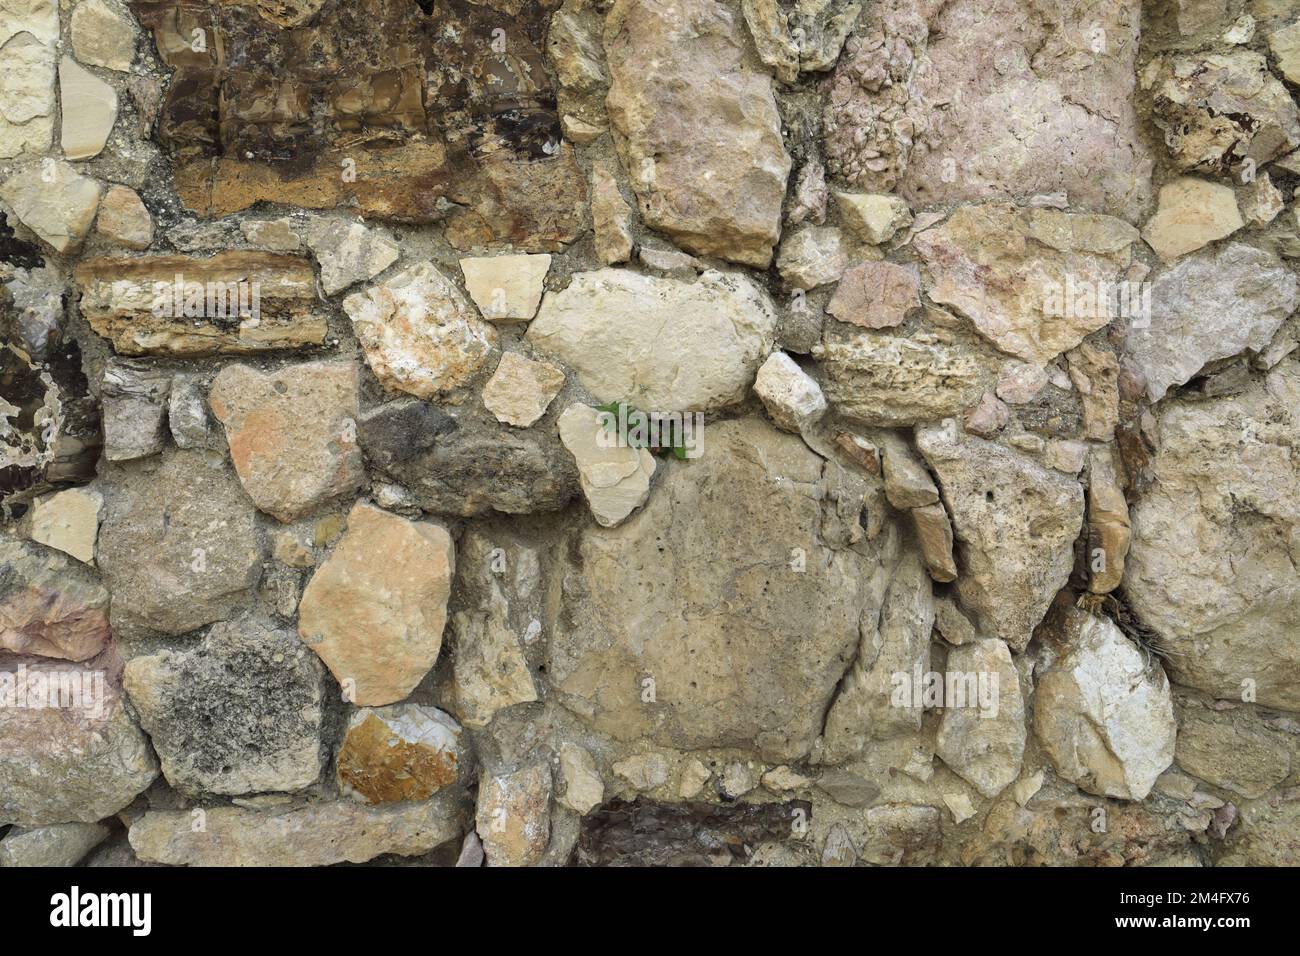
(586, 432)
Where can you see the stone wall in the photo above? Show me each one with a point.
(967, 530)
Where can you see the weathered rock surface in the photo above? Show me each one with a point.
(761, 648)
(1015, 523)
(375, 609)
(521, 389)
(29, 31)
(348, 252)
(178, 547)
(1103, 713)
(506, 288)
(791, 396)
(63, 844)
(123, 218)
(88, 110)
(76, 763)
(49, 605)
(1207, 307)
(419, 333)
(513, 817)
(1211, 566)
(102, 35)
(1232, 749)
(319, 834)
(876, 295)
(237, 713)
(400, 753)
(615, 476)
(1012, 271)
(234, 302)
(58, 205)
(1192, 213)
(658, 344)
(292, 433)
(67, 521)
(983, 744)
(698, 129)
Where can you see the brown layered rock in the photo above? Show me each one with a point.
(697, 125)
(398, 753)
(375, 610)
(292, 433)
(375, 105)
(232, 303)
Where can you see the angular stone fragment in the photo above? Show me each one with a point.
(989, 417)
(583, 788)
(1015, 523)
(135, 411)
(873, 217)
(791, 396)
(375, 610)
(774, 650)
(88, 107)
(991, 99)
(102, 35)
(513, 816)
(62, 844)
(178, 546)
(349, 252)
(49, 605)
(951, 623)
(1207, 307)
(643, 772)
(273, 235)
(1211, 567)
(187, 414)
(76, 763)
(1261, 202)
(1285, 44)
(1218, 110)
(982, 736)
(232, 303)
(237, 713)
(896, 832)
(876, 295)
(660, 345)
(499, 585)
(123, 218)
(520, 390)
(318, 834)
(697, 127)
(796, 35)
(615, 476)
(879, 378)
(1191, 213)
(1012, 271)
(67, 521)
(400, 753)
(506, 288)
(1109, 530)
(1104, 715)
(907, 482)
(418, 332)
(611, 217)
(894, 640)
(1232, 749)
(1094, 372)
(292, 433)
(934, 534)
(812, 256)
(55, 202)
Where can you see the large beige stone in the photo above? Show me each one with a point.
(506, 288)
(67, 521)
(103, 35)
(292, 433)
(982, 744)
(54, 201)
(1103, 713)
(658, 344)
(1015, 522)
(375, 610)
(697, 125)
(318, 834)
(1011, 271)
(419, 333)
(728, 647)
(27, 70)
(1212, 565)
(1192, 213)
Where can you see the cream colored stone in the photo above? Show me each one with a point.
(873, 217)
(123, 218)
(521, 389)
(27, 71)
(55, 202)
(506, 288)
(1191, 213)
(791, 396)
(102, 35)
(349, 252)
(583, 788)
(89, 109)
(615, 477)
(67, 520)
(611, 217)
(513, 816)
(1285, 44)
